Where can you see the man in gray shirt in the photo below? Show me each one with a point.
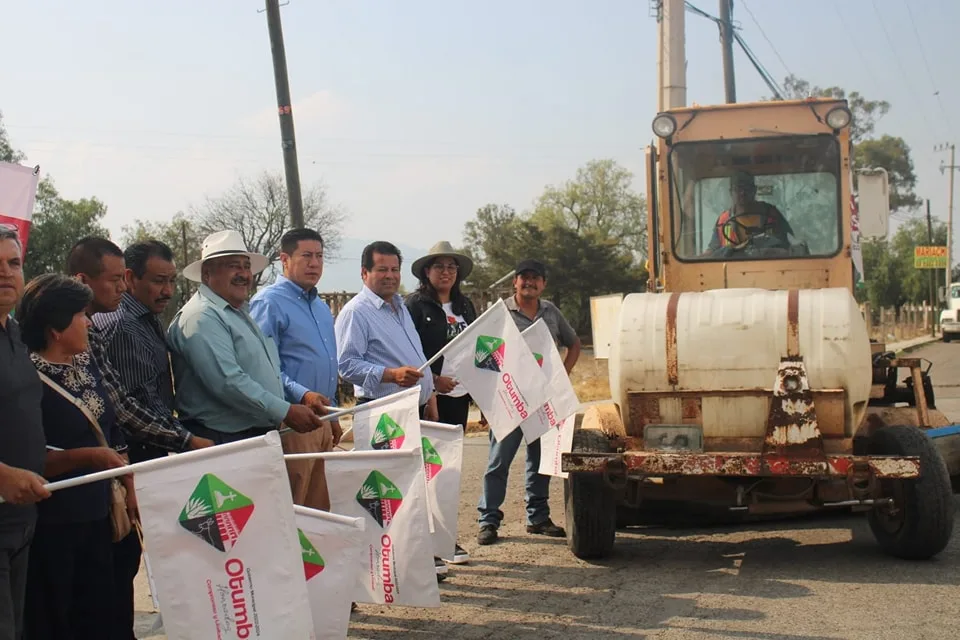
(526, 307)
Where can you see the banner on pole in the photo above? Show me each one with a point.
(18, 192)
(493, 362)
(332, 547)
(220, 527)
(563, 398)
(555, 443)
(392, 422)
(442, 463)
(388, 490)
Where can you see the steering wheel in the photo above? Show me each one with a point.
(744, 231)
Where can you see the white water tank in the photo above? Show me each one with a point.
(732, 340)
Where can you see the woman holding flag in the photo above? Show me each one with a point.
(440, 311)
(70, 568)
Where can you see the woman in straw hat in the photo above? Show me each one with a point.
(440, 312)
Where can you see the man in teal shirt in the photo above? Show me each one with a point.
(227, 372)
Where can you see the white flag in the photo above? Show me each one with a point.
(492, 360)
(563, 398)
(224, 550)
(387, 489)
(333, 563)
(442, 461)
(18, 192)
(392, 422)
(555, 443)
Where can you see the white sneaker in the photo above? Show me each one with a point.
(460, 556)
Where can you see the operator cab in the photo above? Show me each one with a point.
(756, 199)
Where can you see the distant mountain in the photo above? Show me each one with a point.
(344, 273)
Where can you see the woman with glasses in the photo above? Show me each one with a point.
(440, 312)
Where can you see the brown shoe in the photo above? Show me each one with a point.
(547, 528)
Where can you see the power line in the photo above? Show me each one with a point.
(849, 31)
(926, 64)
(906, 78)
(743, 3)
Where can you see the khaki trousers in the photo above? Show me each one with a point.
(307, 480)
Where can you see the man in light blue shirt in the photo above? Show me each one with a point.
(290, 312)
(378, 347)
(227, 372)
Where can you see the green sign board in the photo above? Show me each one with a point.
(930, 257)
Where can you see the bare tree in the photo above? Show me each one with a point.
(260, 211)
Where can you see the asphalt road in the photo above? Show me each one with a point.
(808, 578)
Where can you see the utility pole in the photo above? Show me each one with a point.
(285, 110)
(672, 91)
(726, 39)
(952, 167)
(934, 317)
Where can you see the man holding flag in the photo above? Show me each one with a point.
(526, 307)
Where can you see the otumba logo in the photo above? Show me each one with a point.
(380, 497)
(539, 358)
(312, 560)
(432, 464)
(216, 512)
(489, 353)
(388, 434)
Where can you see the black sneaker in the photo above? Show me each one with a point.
(441, 568)
(487, 534)
(547, 528)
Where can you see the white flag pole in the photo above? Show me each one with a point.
(359, 455)
(270, 437)
(460, 337)
(441, 425)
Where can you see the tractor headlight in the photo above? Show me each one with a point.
(664, 125)
(839, 117)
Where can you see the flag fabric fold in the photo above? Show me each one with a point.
(493, 362)
(18, 193)
(391, 422)
(332, 547)
(442, 463)
(388, 490)
(225, 555)
(563, 398)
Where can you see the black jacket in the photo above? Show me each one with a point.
(431, 322)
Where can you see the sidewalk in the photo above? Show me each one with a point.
(903, 345)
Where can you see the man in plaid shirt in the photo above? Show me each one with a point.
(99, 264)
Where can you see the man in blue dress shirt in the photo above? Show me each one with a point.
(291, 312)
(378, 347)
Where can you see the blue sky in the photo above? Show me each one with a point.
(416, 113)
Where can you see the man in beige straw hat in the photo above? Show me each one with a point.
(227, 372)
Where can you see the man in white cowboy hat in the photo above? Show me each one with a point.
(227, 372)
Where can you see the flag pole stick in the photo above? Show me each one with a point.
(147, 465)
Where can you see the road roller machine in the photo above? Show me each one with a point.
(743, 379)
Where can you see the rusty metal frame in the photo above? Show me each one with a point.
(659, 464)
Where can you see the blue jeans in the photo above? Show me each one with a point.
(495, 481)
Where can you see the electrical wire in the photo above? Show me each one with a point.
(903, 73)
(926, 64)
(743, 3)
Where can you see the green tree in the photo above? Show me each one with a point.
(7, 152)
(891, 279)
(590, 233)
(600, 200)
(893, 154)
(58, 223)
(865, 112)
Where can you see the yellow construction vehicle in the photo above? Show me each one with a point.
(744, 378)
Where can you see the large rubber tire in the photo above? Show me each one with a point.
(924, 524)
(590, 504)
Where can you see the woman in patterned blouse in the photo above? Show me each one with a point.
(69, 575)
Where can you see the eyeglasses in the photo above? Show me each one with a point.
(452, 268)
